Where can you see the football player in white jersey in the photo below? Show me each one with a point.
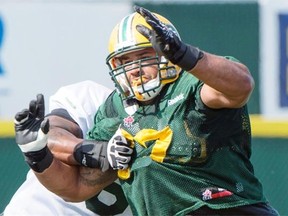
(77, 104)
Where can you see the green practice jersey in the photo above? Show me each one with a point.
(186, 155)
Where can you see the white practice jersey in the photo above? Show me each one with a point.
(81, 100)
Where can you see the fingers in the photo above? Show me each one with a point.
(37, 107)
(153, 21)
(40, 105)
(146, 32)
(120, 138)
(148, 16)
(119, 151)
(121, 162)
(123, 156)
(32, 107)
(139, 10)
(36, 110)
(45, 126)
(143, 12)
(123, 148)
(21, 117)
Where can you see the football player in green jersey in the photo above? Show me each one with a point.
(184, 112)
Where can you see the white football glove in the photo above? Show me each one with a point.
(118, 151)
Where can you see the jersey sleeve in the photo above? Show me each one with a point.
(81, 100)
(107, 119)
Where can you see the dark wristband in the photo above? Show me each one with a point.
(190, 58)
(39, 160)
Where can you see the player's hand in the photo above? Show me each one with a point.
(31, 127)
(118, 151)
(166, 41)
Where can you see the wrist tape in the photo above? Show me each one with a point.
(39, 160)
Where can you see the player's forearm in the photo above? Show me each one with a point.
(62, 143)
(74, 183)
(231, 79)
(57, 177)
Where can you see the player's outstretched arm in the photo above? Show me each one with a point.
(227, 83)
(73, 183)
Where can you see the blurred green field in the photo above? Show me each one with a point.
(13, 170)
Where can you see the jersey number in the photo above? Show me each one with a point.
(100, 208)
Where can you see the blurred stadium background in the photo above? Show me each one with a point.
(45, 44)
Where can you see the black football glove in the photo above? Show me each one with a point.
(31, 127)
(166, 43)
(31, 130)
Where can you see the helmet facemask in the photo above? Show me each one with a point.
(142, 88)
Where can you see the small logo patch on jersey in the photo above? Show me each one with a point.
(214, 193)
(176, 99)
(128, 121)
